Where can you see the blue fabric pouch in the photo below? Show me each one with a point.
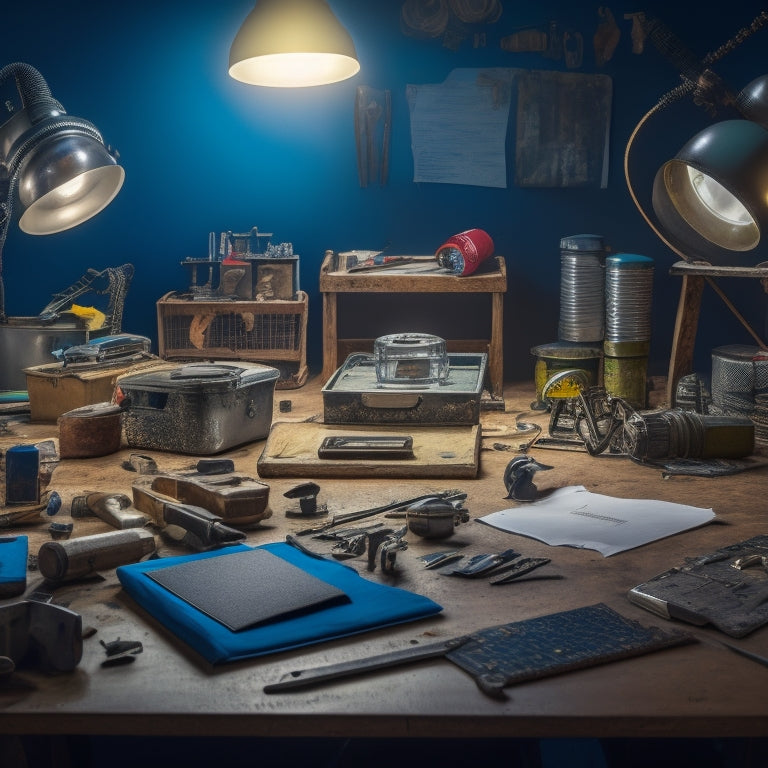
(370, 606)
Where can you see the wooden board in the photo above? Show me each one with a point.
(291, 451)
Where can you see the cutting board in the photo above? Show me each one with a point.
(445, 452)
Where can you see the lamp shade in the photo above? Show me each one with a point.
(292, 43)
(65, 180)
(752, 102)
(712, 198)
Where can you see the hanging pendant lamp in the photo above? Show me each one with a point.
(292, 44)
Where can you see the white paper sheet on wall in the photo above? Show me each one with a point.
(459, 128)
(575, 517)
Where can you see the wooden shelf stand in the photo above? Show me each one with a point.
(494, 283)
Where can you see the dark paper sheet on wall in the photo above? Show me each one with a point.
(563, 129)
(459, 128)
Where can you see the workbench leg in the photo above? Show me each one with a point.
(684, 339)
(496, 347)
(330, 336)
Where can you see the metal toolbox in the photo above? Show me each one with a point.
(353, 395)
(198, 408)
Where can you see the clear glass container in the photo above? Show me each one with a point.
(410, 359)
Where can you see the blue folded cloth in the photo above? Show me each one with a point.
(371, 606)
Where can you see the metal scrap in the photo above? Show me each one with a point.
(121, 652)
(385, 545)
(395, 505)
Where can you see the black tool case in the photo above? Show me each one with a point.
(353, 396)
(198, 408)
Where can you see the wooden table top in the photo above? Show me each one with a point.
(490, 278)
(694, 690)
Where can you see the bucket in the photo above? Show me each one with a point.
(26, 342)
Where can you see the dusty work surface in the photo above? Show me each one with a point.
(695, 690)
(291, 451)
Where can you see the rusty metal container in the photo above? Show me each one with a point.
(198, 408)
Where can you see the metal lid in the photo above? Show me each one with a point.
(582, 243)
(742, 352)
(197, 374)
(94, 410)
(204, 371)
(629, 260)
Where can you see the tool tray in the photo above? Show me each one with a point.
(353, 396)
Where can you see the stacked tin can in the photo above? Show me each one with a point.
(582, 312)
(582, 262)
(628, 293)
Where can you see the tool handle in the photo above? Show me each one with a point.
(305, 677)
(77, 558)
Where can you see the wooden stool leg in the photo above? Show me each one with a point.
(496, 351)
(330, 335)
(684, 339)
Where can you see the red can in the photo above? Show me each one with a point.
(465, 252)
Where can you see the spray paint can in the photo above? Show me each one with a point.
(463, 253)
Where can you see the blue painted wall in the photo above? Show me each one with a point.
(203, 153)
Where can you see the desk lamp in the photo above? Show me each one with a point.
(57, 164)
(711, 199)
(291, 44)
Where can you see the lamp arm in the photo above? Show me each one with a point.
(684, 88)
(8, 190)
(756, 24)
(36, 96)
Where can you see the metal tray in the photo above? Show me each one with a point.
(352, 395)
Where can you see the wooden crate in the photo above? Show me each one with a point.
(269, 332)
(54, 389)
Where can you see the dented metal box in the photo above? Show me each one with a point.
(198, 408)
(353, 395)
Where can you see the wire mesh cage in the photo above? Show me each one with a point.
(272, 332)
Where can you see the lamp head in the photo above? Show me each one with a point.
(712, 198)
(290, 44)
(65, 180)
(61, 168)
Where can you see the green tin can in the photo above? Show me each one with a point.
(626, 377)
(565, 356)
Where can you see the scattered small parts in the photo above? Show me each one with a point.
(120, 652)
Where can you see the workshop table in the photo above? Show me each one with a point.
(697, 690)
(492, 282)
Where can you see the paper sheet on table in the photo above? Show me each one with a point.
(575, 517)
